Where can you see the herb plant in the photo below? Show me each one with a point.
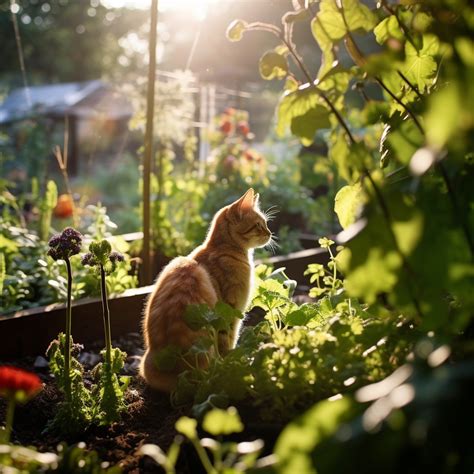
(110, 388)
(226, 456)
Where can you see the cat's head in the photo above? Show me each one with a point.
(243, 222)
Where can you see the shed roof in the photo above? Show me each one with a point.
(83, 99)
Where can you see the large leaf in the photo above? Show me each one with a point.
(347, 204)
(388, 28)
(330, 25)
(420, 66)
(297, 441)
(305, 126)
(297, 104)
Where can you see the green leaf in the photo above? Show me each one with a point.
(297, 104)
(347, 204)
(273, 65)
(298, 440)
(419, 66)
(388, 28)
(222, 422)
(167, 358)
(187, 426)
(197, 316)
(235, 30)
(306, 126)
(444, 116)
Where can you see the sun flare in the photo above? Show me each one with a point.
(197, 7)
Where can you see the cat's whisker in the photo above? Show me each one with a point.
(271, 212)
(272, 245)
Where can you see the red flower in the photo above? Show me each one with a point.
(243, 128)
(226, 127)
(13, 380)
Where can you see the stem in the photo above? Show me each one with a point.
(399, 101)
(409, 84)
(67, 346)
(9, 419)
(203, 457)
(106, 316)
(454, 203)
(321, 93)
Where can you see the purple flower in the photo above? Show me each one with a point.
(115, 257)
(65, 245)
(89, 259)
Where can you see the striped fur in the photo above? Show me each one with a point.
(218, 270)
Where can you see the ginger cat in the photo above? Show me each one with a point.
(218, 270)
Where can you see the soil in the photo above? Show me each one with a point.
(149, 418)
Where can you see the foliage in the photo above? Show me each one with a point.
(68, 459)
(298, 354)
(73, 414)
(407, 419)
(73, 31)
(399, 154)
(29, 280)
(404, 154)
(227, 456)
(110, 390)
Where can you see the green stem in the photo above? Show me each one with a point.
(203, 457)
(9, 418)
(67, 345)
(106, 317)
(401, 103)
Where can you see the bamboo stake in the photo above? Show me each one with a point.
(148, 153)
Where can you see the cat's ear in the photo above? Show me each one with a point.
(256, 200)
(245, 203)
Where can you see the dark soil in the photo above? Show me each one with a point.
(149, 418)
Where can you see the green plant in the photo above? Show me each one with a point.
(68, 460)
(226, 456)
(299, 353)
(62, 247)
(111, 389)
(74, 413)
(424, 162)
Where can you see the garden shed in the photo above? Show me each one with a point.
(91, 107)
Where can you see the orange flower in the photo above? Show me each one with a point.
(64, 208)
(13, 381)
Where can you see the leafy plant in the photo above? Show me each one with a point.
(226, 456)
(423, 162)
(62, 247)
(74, 414)
(299, 353)
(111, 390)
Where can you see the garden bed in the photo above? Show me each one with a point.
(29, 332)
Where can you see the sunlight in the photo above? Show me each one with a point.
(198, 8)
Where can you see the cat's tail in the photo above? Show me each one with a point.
(156, 379)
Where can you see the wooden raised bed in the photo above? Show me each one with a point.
(29, 332)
